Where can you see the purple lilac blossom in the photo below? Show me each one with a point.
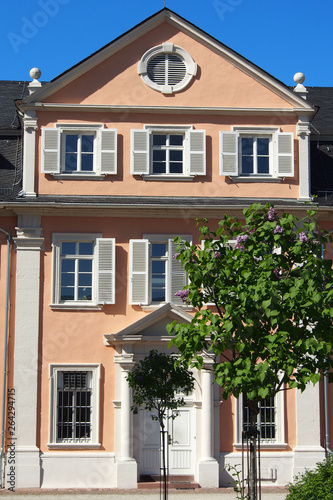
(271, 214)
(241, 239)
(278, 230)
(278, 273)
(303, 237)
(176, 255)
(217, 254)
(182, 294)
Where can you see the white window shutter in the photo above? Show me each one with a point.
(139, 272)
(50, 150)
(105, 270)
(108, 151)
(139, 152)
(285, 150)
(178, 278)
(228, 153)
(197, 151)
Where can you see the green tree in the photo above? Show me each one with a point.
(159, 385)
(272, 290)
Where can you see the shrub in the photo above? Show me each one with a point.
(314, 484)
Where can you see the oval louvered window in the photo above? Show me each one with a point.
(167, 68)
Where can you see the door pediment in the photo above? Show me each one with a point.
(150, 328)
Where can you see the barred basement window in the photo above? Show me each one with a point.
(74, 407)
(167, 68)
(266, 419)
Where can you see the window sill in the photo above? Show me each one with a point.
(265, 446)
(155, 177)
(255, 178)
(90, 177)
(76, 306)
(81, 446)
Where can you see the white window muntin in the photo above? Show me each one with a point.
(79, 130)
(78, 151)
(94, 373)
(168, 132)
(279, 440)
(164, 82)
(167, 153)
(255, 134)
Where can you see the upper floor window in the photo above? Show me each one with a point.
(167, 68)
(83, 270)
(155, 274)
(256, 153)
(169, 152)
(79, 150)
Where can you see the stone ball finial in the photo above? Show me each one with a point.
(35, 73)
(299, 78)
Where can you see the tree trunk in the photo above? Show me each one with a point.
(253, 437)
(163, 432)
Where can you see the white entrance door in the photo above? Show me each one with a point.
(180, 452)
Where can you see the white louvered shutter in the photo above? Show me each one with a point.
(50, 151)
(108, 151)
(197, 152)
(178, 278)
(228, 153)
(105, 270)
(139, 272)
(285, 150)
(139, 152)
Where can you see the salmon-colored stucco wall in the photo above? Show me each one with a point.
(217, 83)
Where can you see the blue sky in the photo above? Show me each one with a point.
(280, 36)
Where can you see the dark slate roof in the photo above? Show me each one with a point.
(321, 97)
(9, 92)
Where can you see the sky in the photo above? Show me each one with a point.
(282, 37)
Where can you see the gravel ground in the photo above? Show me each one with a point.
(198, 494)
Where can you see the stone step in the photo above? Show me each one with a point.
(173, 482)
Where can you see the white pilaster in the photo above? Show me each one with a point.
(303, 133)
(127, 468)
(28, 243)
(208, 467)
(29, 154)
(308, 450)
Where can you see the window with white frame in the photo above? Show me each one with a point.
(79, 150)
(256, 153)
(168, 152)
(83, 270)
(270, 420)
(167, 68)
(74, 415)
(155, 274)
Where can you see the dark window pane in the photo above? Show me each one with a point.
(71, 143)
(87, 163)
(158, 295)
(247, 165)
(176, 168)
(85, 266)
(263, 165)
(85, 280)
(176, 155)
(68, 248)
(176, 140)
(87, 145)
(262, 146)
(71, 162)
(158, 266)
(159, 140)
(159, 155)
(158, 280)
(159, 168)
(158, 249)
(86, 248)
(67, 280)
(84, 293)
(67, 293)
(67, 265)
(247, 145)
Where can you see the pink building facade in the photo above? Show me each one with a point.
(121, 153)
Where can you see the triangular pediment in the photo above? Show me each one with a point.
(152, 326)
(225, 79)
